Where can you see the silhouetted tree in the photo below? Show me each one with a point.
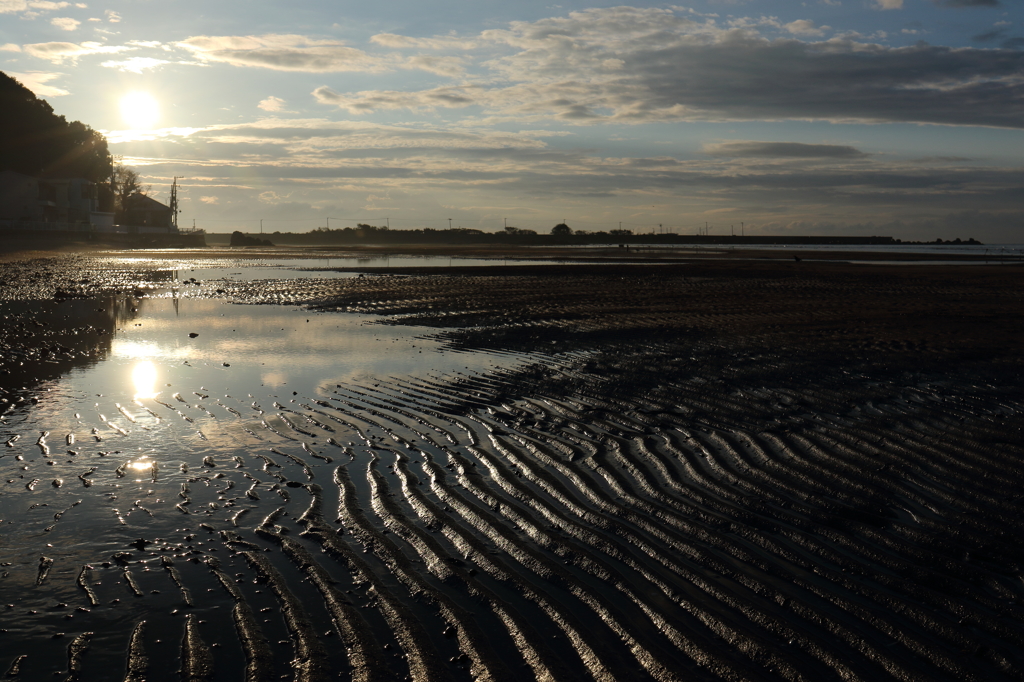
(561, 230)
(518, 231)
(37, 142)
(124, 182)
(240, 239)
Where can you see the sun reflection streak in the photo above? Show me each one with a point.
(144, 377)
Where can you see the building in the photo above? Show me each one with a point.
(19, 197)
(33, 203)
(144, 214)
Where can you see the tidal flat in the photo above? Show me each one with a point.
(246, 466)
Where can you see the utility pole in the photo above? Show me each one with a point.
(449, 223)
(388, 221)
(261, 225)
(174, 202)
(506, 223)
(741, 229)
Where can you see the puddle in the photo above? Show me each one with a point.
(114, 462)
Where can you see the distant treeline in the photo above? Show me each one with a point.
(560, 235)
(37, 142)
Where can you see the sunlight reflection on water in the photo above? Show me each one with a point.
(144, 377)
(144, 439)
(252, 346)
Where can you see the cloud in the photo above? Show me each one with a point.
(792, 150)
(36, 81)
(967, 3)
(321, 156)
(209, 200)
(11, 6)
(10, 47)
(889, 4)
(57, 52)
(283, 53)
(112, 16)
(805, 28)
(65, 23)
(272, 104)
(309, 163)
(442, 66)
(449, 97)
(135, 64)
(639, 65)
(399, 42)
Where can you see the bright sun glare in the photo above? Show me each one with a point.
(139, 110)
(144, 377)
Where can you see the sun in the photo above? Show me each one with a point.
(140, 110)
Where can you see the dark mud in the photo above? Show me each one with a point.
(710, 472)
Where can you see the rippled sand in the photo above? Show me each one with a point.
(715, 470)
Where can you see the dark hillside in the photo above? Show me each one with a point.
(36, 141)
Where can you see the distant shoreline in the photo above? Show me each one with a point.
(19, 250)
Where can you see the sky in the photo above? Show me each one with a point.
(900, 118)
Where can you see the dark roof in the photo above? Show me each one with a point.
(140, 202)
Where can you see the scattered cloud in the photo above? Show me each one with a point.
(638, 65)
(37, 82)
(1002, 36)
(65, 23)
(112, 16)
(283, 53)
(400, 42)
(272, 104)
(450, 97)
(375, 159)
(58, 52)
(135, 64)
(442, 66)
(805, 28)
(11, 6)
(791, 150)
(10, 47)
(967, 3)
(889, 4)
(209, 200)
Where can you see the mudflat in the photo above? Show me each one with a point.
(692, 466)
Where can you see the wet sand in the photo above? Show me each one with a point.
(711, 470)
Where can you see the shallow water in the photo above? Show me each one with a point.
(302, 495)
(313, 265)
(100, 460)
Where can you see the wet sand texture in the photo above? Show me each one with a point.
(716, 471)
